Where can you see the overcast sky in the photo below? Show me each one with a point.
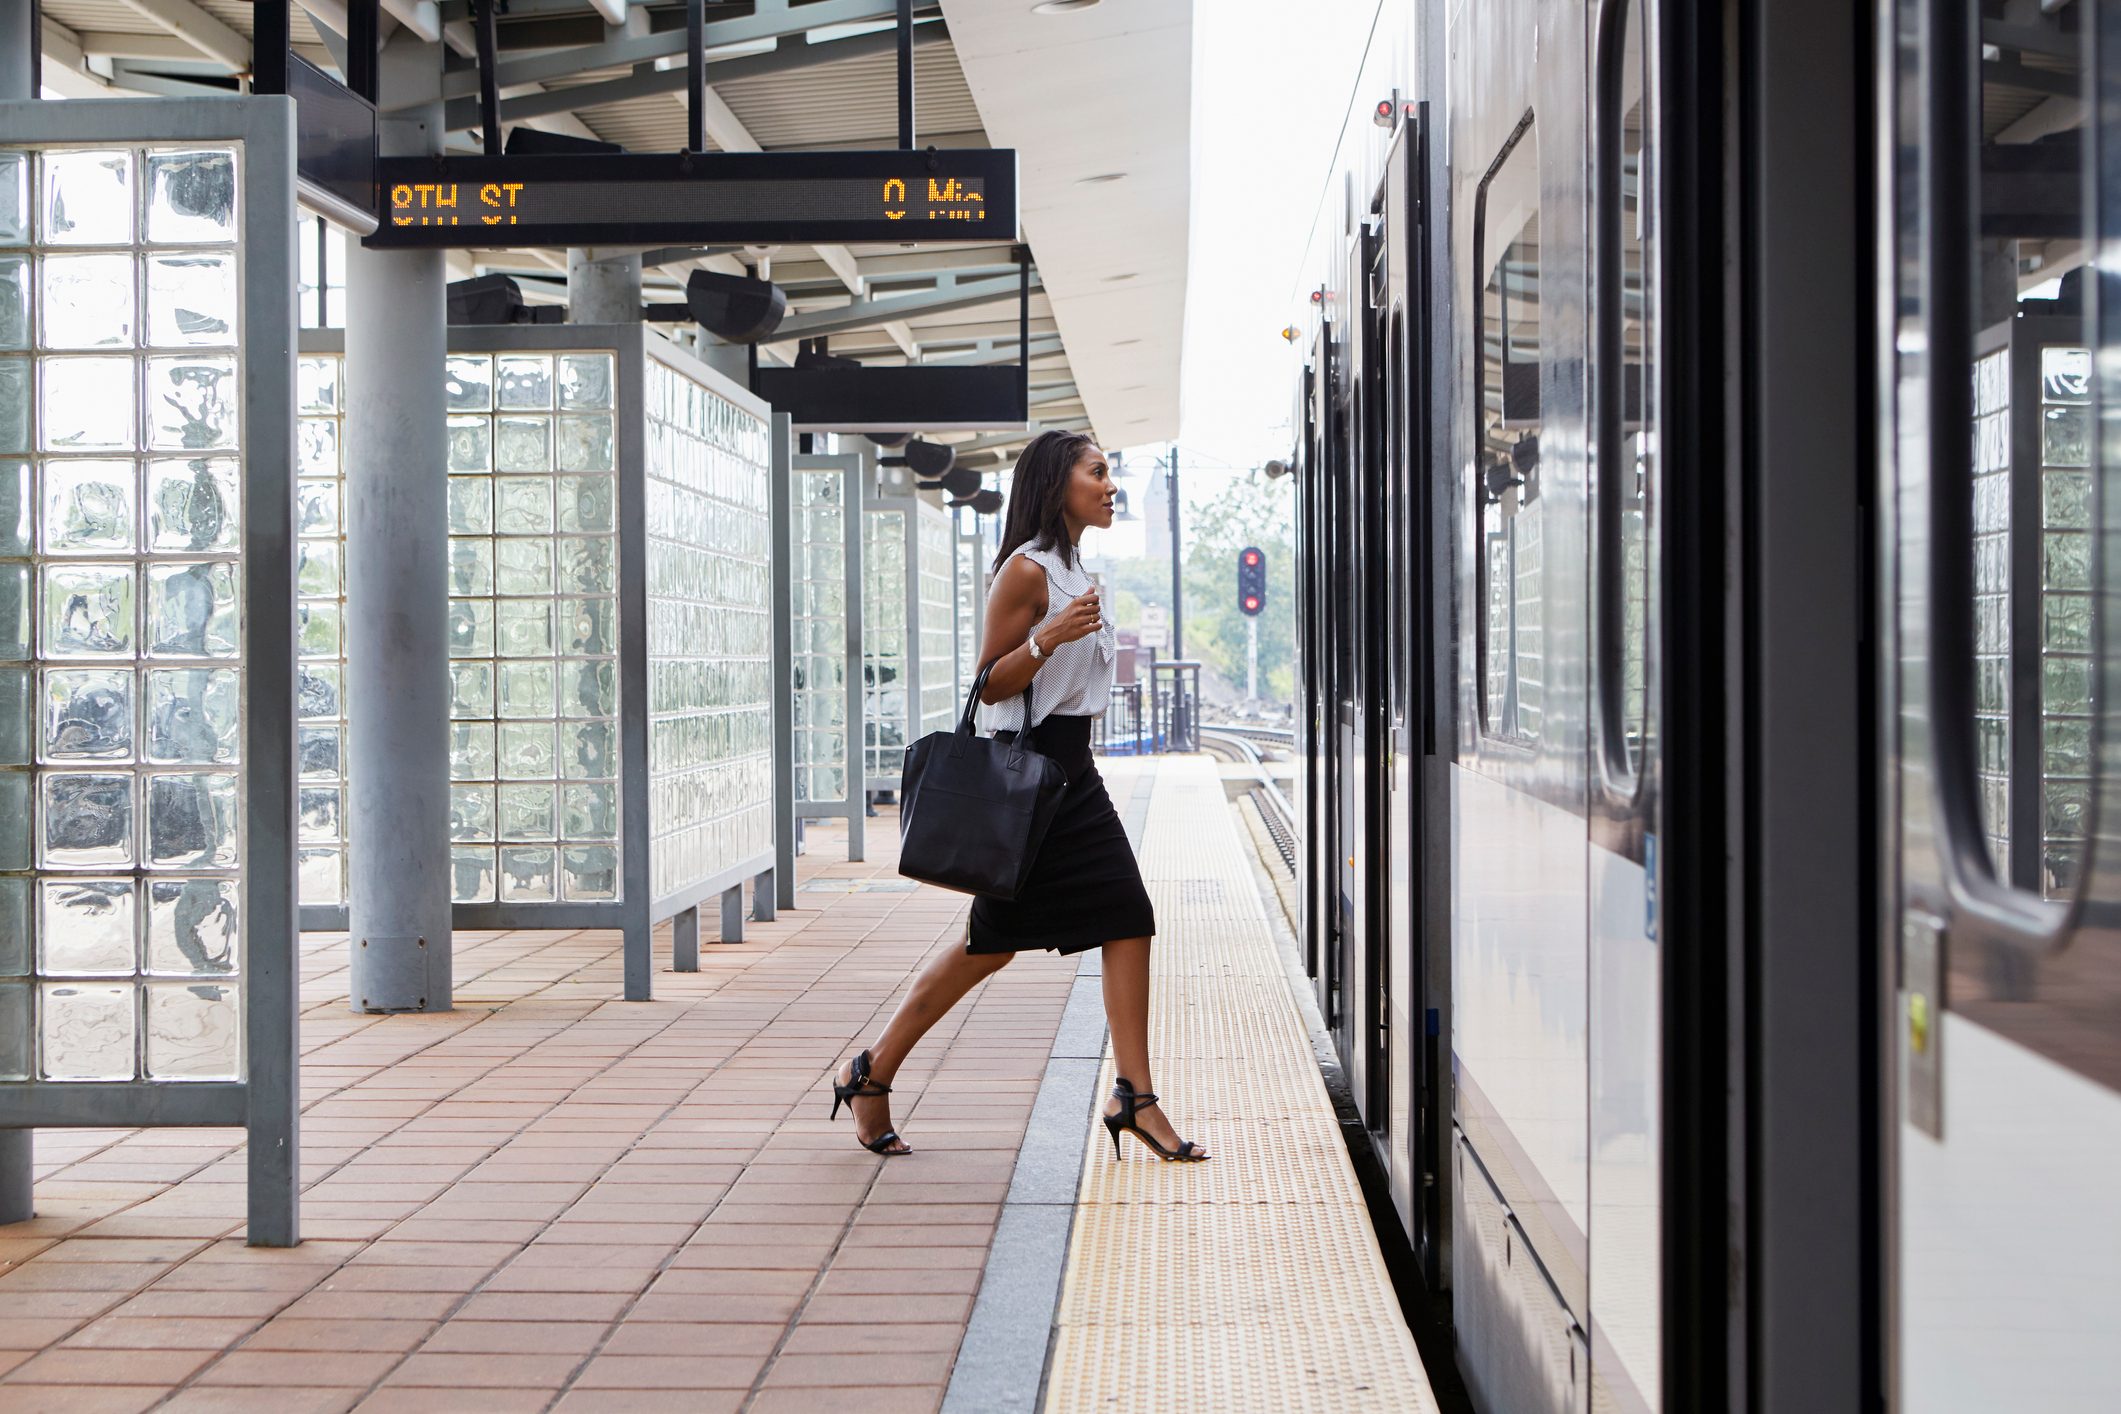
(1271, 85)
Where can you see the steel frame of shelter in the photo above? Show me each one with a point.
(635, 913)
(854, 807)
(899, 499)
(265, 1102)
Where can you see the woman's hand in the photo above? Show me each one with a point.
(1080, 619)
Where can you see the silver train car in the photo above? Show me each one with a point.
(1709, 471)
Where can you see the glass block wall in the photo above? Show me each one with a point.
(533, 628)
(710, 633)
(121, 670)
(969, 580)
(936, 566)
(884, 666)
(2066, 667)
(818, 583)
(320, 586)
(1992, 597)
(1528, 620)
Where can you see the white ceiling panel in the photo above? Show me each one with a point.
(1084, 94)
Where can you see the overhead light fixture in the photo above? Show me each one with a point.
(1099, 180)
(1062, 7)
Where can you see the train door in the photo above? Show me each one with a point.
(2000, 411)
(1354, 596)
(1520, 832)
(1394, 294)
(1624, 999)
(1310, 568)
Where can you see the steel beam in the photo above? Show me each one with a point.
(769, 21)
(989, 440)
(198, 29)
(949, 294)
(65, 68)
(419, 16)
(997, 351)
(648, 82)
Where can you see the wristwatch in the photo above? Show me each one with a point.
(1038, 654)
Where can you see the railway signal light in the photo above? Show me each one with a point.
(1251, 581)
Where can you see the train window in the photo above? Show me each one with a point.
(1996, 374)
(1510, 564)
(1624, 380)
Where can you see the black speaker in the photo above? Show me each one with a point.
(928, 459)
(496, 299)
(961, 481)
(738, 308)
(888, 439)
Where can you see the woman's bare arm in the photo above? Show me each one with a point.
(1017, 602)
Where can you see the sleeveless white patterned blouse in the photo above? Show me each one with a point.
(1076, 678)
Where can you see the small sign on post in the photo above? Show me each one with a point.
(1156, 627)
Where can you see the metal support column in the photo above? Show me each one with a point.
(783, 493)
(685, 940)
(905, 75)
(733, 913)
(397, 561)
(603, 289)
(1178, 560)
(20, 43)
(18, 80)
(17, 1203)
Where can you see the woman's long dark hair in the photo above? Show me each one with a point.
(1038, 492)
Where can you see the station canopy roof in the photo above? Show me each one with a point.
(1096, 98)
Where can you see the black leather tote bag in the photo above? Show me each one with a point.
(972, 810)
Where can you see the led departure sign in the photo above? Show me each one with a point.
(747, 197)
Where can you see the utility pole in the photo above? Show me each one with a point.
(1178, 558)
(1252, 660)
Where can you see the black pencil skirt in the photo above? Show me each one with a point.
(1085, 888)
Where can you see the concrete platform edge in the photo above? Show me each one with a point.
(1001, 1367)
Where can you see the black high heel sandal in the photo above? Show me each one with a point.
(1187, 1151)
(860, 1086)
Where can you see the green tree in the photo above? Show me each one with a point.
(1253, 511)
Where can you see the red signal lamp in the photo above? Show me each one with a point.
(1251, 557)
(1251, 604)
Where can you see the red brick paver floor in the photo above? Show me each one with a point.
(553, 1199)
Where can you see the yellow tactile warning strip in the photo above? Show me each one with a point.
(1253, 1281)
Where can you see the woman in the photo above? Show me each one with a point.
(1046, 633)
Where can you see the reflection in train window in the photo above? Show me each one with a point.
(2031, 451)
(1510, 563)
(1638, 392)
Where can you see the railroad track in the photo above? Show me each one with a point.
(1242, 744)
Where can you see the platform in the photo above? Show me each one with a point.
(549, 1199)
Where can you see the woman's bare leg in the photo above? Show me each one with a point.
(1127, 1014)
(950, 974)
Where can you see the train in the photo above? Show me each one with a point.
(1706, 425)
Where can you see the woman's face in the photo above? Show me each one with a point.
(1088, 498)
